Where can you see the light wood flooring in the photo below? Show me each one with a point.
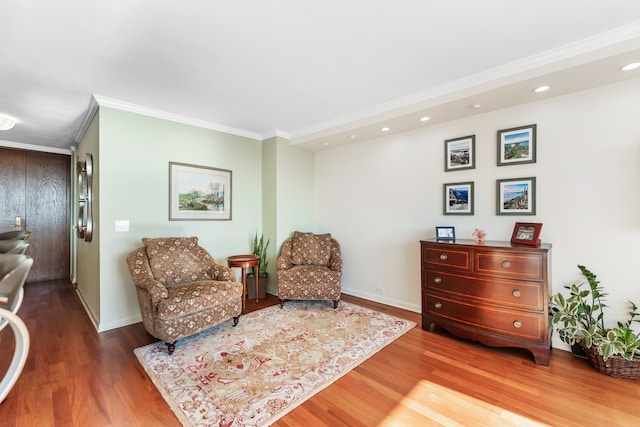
(77, 377)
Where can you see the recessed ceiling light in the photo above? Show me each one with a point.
(540, 89)
(385, 129)
(631, 66)
(352, 137)
(6, 122)
(325, 143)
(474, 106)
(425, 119)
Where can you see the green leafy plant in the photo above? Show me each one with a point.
(580, 319)
(260, 249)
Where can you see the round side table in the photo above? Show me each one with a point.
(244, 262)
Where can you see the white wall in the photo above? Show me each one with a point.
(380, 197)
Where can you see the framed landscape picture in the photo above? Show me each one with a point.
(458, 198)
(517, 145)
(516, 196)
(199, 193)
(460, 153)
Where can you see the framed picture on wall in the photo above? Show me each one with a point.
(460, 153)
(517, 145)
(458, 198)
(516, 196)
(199, 193)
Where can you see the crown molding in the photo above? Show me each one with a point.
(32, 147)
(91, 111)
(275, 133)
(150, 112)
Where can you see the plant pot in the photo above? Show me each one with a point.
(578, 351)
(262, 286)
(615, 366)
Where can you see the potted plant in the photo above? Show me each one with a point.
(580, 319)
(259, 249)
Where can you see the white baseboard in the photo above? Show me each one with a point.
(383, 300)
(105, 326)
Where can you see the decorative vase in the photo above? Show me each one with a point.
(479, 235)
(262, 286)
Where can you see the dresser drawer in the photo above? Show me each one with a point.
(446, 257)
(521, 265)
(512, 293)
(517, 324)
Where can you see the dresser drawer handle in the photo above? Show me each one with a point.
(437, 279)
(443, 257)
(438, 305)
(517, 323)
(516, 293)
(506, 264)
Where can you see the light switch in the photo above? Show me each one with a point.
(122, 225)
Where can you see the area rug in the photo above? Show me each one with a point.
(274, 360)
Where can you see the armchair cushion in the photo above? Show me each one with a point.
(177, 260)
(195, 297)
(311, 249)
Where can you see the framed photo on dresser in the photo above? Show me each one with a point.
(526, 233)
(446, 234)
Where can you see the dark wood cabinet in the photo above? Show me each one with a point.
(495, 293)
(35, 186)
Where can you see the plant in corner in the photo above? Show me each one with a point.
(260, 249)
(579, 318)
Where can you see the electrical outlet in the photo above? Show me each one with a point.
(379, 290)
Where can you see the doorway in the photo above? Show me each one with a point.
(35, 196)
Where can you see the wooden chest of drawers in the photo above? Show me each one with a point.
(492, 292)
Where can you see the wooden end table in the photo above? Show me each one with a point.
(244, 262)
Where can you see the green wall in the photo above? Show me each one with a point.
(132, 167)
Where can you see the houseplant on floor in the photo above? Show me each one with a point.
(579, 318)
(259, 249)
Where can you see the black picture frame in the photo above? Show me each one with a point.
(460, 153)
(458, 198)
(445, 233)
(517, 145)
(516, 196)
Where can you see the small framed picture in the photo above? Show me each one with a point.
(516, 196)
(526, 233)
(460, 153)
(458, 198)
(445, 233)
(517, 145)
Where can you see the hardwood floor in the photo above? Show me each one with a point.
(77, 377)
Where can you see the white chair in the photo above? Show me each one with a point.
(14, 269)
(20, 352)
(16, 246)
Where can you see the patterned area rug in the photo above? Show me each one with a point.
(274, 360)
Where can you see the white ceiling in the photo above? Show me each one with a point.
(312, 71)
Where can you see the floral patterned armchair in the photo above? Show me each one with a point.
(309, 268)
(181, 290)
